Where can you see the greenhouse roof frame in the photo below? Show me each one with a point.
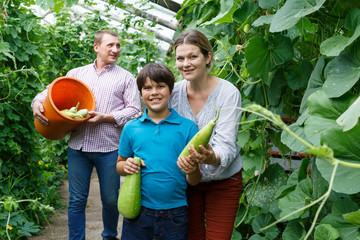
(160, 11)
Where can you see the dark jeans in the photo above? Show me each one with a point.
(80, 166)
(152, 224)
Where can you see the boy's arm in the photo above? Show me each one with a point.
(195, 176)
(191, 169)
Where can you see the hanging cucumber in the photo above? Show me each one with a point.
(129, 201)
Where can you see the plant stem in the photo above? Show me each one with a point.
(348, 164)
(297, 137)
(325, 197)
(7, 224)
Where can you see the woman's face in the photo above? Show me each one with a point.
(190, 62)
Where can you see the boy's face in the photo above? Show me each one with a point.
(156, 96)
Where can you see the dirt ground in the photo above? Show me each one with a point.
(58, 228)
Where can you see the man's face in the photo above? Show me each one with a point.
(108, 50)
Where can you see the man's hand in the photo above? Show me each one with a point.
(98, 117)
(38, 113)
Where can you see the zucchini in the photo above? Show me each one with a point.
(201, 138)
(129, 201)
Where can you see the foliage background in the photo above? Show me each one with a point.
(32, 55)
(296, 58)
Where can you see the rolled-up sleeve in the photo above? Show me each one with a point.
(40, 96)
(131, 104)
(225, 133)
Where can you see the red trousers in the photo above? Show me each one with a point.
(213, 207)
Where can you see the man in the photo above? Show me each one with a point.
(96, 142)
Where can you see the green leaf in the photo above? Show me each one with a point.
(227, 10)
(266, 19)
(335, 45)
(28, 229)
(344, 144)
(292, 11)
(326, 232)
(245, 11)
(265, 190)
(353, 217)
(252, 160)
(290, 141)
(262, 56)
(346, 67)
(208, 12)
(300, 197)
(275, 138)
(58, 5)
(262, 221)
(236, 235)
(336, 220)
(5, 50)
(315, 82)
(293, 230)
(256, 237)
(303, 169)
(352, 20)
(321, 128)
(322, 114)
(267, 4)
(243, 138)
(350, 117)
(278, 83)
(346, 148)
(320, 185)
(299, 75)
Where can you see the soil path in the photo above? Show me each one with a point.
(58, 228)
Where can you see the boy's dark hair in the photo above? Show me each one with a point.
(157, 72)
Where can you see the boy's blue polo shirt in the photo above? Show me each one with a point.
(163, 184)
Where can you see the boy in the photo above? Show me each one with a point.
(158, 137)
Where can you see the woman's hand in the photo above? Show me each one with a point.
(207, 155)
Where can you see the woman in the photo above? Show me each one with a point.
(213, 203)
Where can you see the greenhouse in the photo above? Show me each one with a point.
(279, 160)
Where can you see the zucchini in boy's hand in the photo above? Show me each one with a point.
(129, 201)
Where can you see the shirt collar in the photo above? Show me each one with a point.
(173, 118)
(105, 68)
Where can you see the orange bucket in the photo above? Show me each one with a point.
(64, 93)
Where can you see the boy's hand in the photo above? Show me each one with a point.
(137, 115)
(187, 165)
(131, 166)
